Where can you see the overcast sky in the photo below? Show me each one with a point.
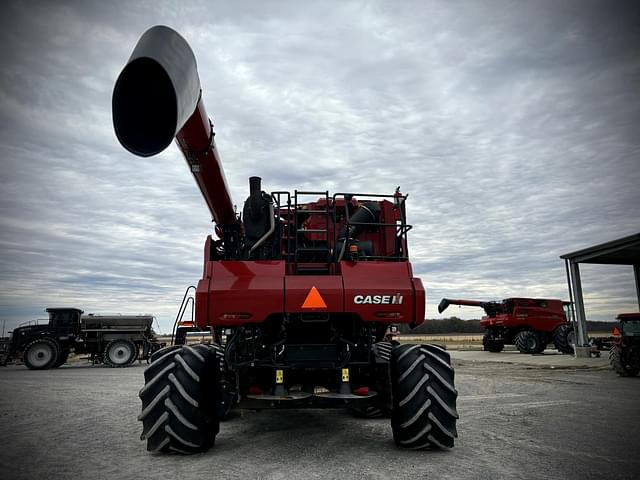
(513, 126)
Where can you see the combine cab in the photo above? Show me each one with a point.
(298, 292)
(528, 323)
(624, 355)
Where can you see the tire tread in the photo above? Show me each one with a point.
(561, 339)
(424, 402)
(179, 400)
(56, 353)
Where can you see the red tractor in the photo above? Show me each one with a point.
(298, 291)
(529, 323)
(624, 355)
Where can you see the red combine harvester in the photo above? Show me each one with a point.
(298, 294)
(529, 323)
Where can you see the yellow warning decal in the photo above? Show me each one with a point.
(279, 376)
(314, 299)
(345, 374)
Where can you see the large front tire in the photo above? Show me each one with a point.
(180, 400)
(424, 397)
(41, 354)
(527, 341)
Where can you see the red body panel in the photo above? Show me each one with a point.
(202, 302)
(297, 287)
(420, 300)
(249, 290)
(373, 282)
(542, 315)
(238, 292)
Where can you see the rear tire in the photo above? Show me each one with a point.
(563, 338)
(120, 353)
(180, 400)
(620, 365)
(424, 397)
(528, 342)
(41, 354)
(163, 351)
(490, 345)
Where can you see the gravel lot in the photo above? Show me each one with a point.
(516, 421)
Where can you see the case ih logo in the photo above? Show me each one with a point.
(378, 299)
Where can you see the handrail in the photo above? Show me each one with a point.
(182, 309)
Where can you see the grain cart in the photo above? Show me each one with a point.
(116, 340)
(529, 323)
(624, 355)
(302, 285)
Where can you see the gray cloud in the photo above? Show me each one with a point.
(513, 126)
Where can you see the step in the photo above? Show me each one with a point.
(312, 267)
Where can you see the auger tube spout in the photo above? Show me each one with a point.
(445, 302)
(157, 98)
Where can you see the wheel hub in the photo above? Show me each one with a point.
(120, 354)
(40, 355)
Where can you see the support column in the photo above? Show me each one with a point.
(571, 313)
(636, 275)
(582, 339)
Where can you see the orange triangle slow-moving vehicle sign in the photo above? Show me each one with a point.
(314, 299)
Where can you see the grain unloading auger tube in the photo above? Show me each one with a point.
(297, 294)
(445, 302)
(157, 98)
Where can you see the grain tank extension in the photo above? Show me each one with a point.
(298, 290)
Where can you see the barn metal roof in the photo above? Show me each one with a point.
(623, 251)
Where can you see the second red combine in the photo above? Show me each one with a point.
(298, 291)
(528, 323)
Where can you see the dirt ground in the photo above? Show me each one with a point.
(516, 421)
